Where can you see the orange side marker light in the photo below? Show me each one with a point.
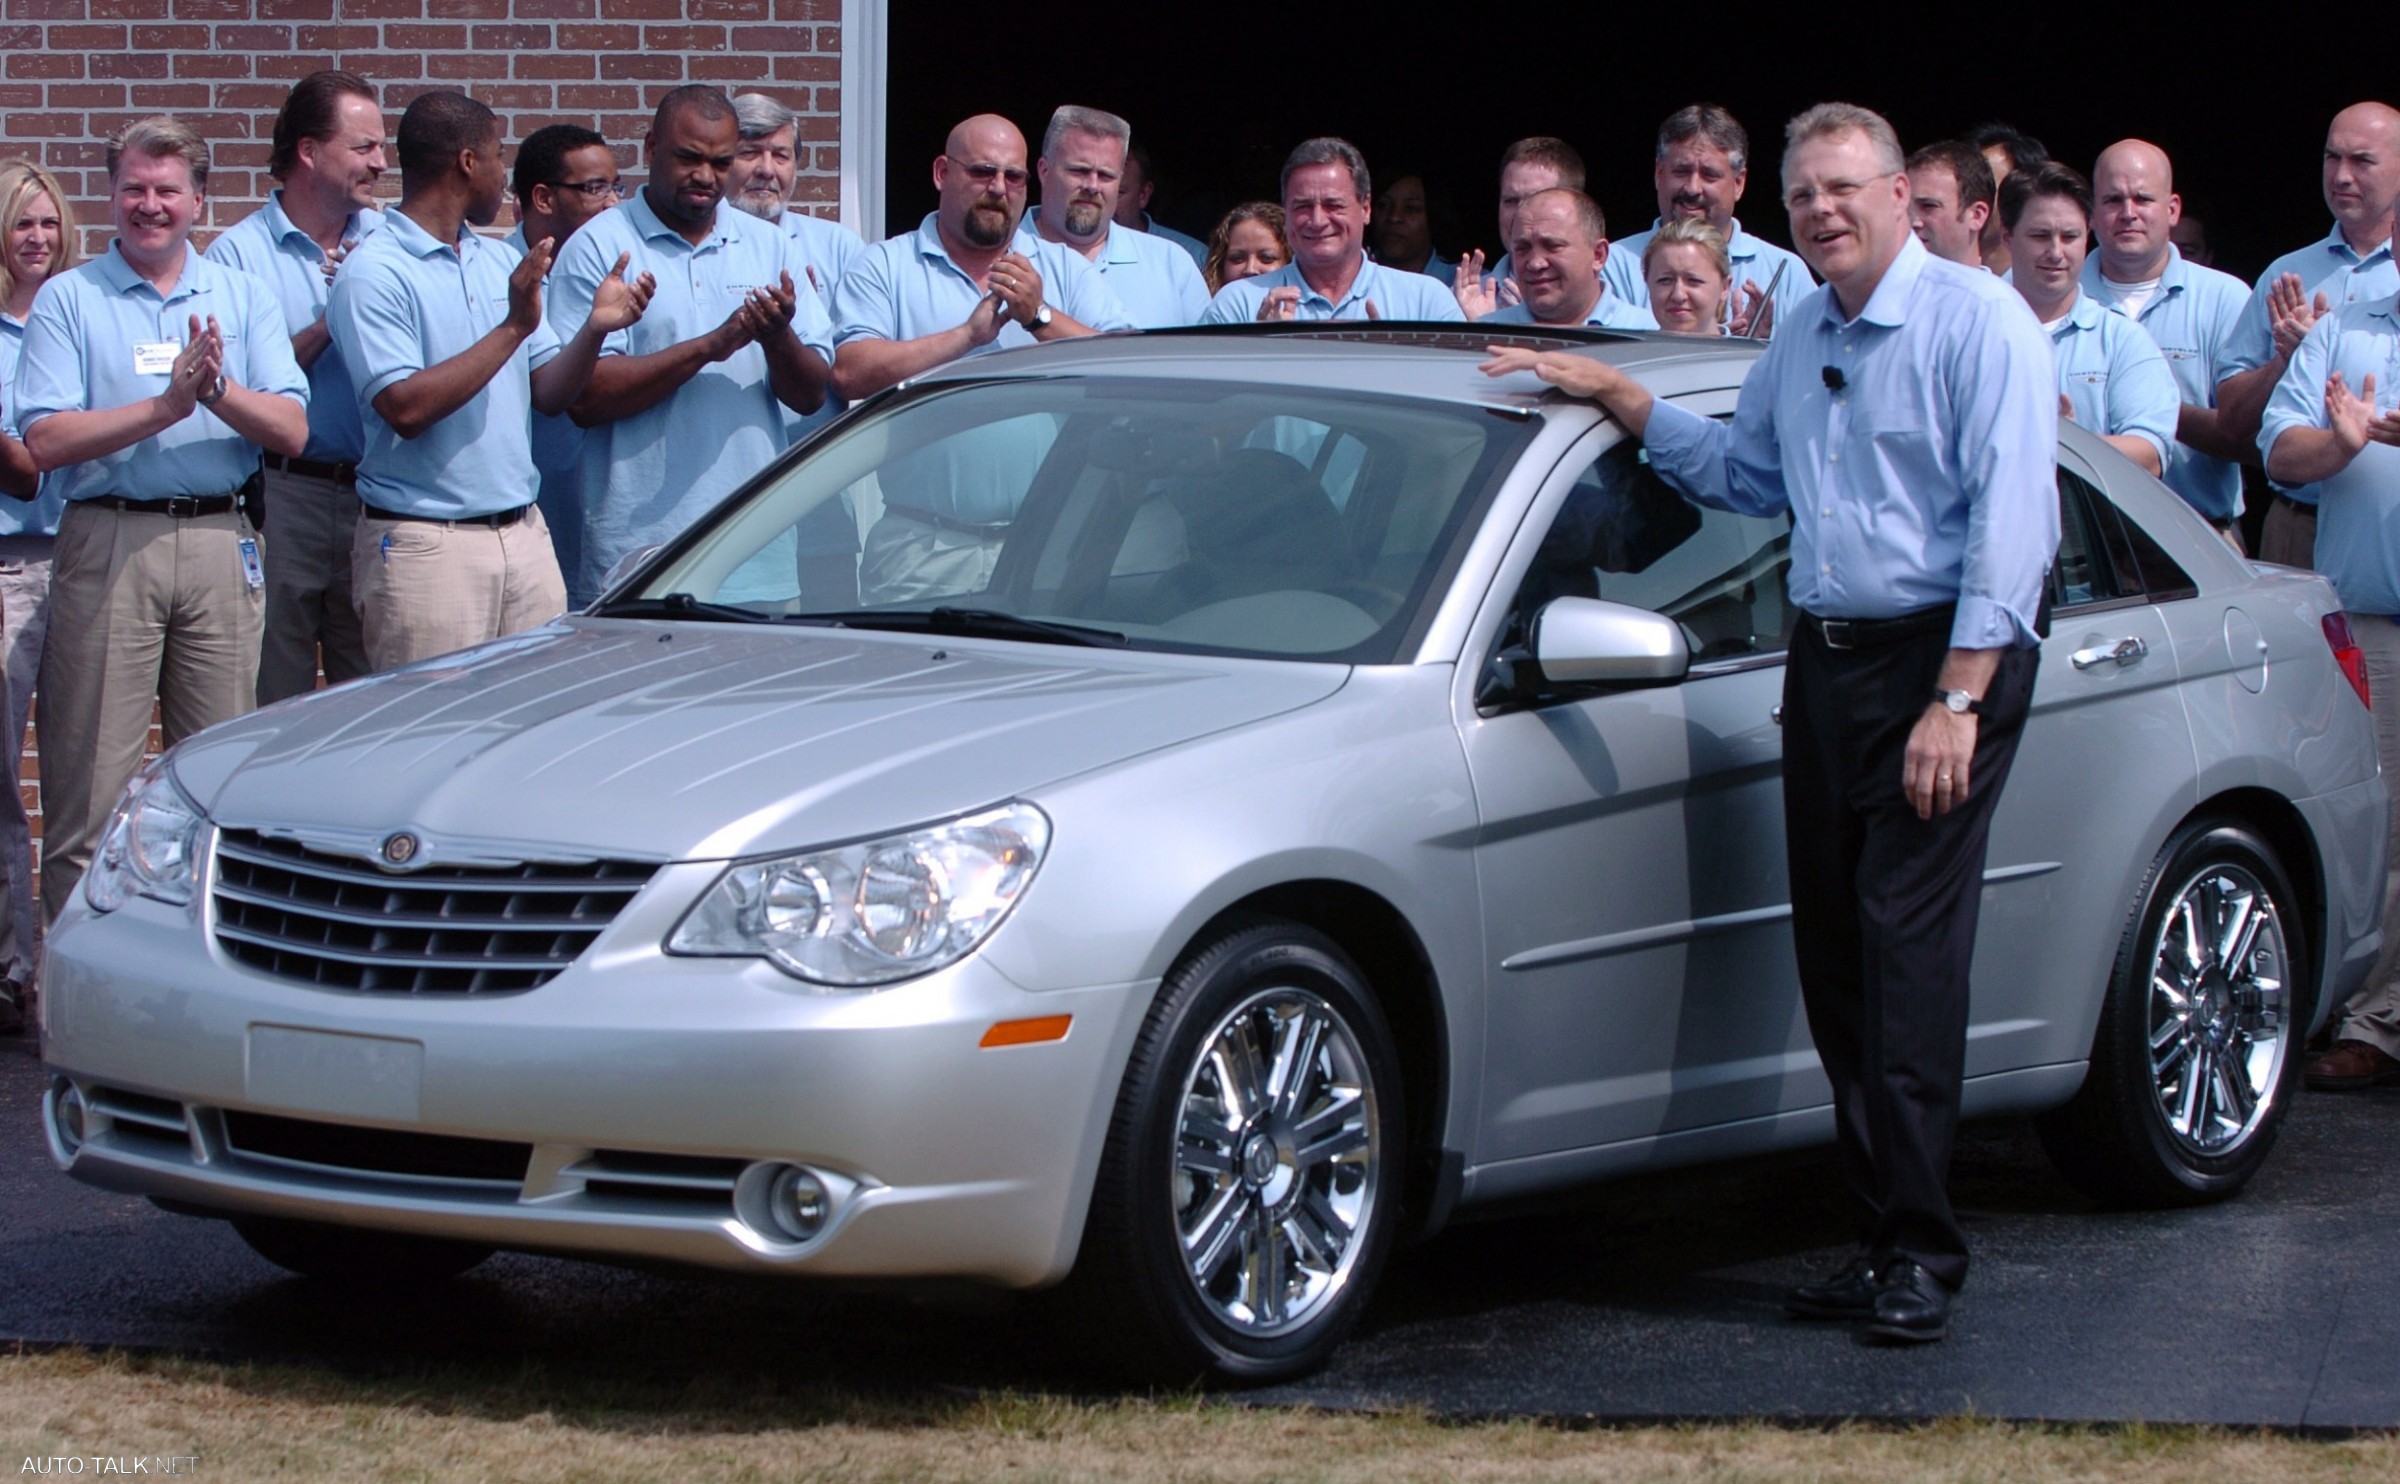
(1027, 1032)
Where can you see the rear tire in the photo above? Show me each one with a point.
(1250, 1186)
(350, 1254)
(2197, 1051)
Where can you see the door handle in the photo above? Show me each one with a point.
(2125, 651)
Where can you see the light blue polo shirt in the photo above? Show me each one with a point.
(828, 247)
(2329, 266)
(39, 516)
(1608, 313)
(1754, 260)
(907, 287)
(1152, 277)
(648, 477)
(556, 444)
(1398, 295)
(2114, 376)
(2358, 512)
(79, 357)
(289, 262)
(1184, 240)
(2191, 320)
(403, 302)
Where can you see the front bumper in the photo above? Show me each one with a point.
(641, 1086)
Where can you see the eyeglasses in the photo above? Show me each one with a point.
(1832, 192)
(593, 189)
(984, 175)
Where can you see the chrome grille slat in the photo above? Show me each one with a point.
(326, 920)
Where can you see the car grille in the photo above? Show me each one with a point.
(344, 924)
(393, 1153)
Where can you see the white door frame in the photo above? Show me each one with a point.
(866, 50)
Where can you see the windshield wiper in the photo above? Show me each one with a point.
(991, 621)
(682, 605)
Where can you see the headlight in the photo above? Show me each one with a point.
(874, 912)
(151, 847)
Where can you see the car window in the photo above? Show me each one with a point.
(1213, 516)
(2104, 557)
(1624, 535)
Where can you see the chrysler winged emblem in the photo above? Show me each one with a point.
(399, 848)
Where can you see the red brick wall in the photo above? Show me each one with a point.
(73, 72)
(76, 71)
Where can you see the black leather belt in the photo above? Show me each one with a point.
(171, 505)
(1866, 633)
(313, 468)
(947, 522)
(495, 520)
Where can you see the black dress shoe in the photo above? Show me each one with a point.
(1911, 1306)
(1848, 1294)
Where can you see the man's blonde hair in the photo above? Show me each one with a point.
(162, 136)
(1827, 119)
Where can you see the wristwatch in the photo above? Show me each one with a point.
(1041, 317)
(1961, 703)
(214, 395)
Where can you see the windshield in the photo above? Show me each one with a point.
(1204, 516)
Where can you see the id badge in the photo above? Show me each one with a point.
(155, 357)
(252, 572)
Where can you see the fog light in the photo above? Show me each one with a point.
(798, 1203)
(67, 1116)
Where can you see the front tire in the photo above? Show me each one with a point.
(2195, 1058)
(1250, 1186)
(346, 1254)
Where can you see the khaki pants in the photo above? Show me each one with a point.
(313, 522)
(906, 558)
(428, 587)
(2289, 535)
(142, 608)
(24, 619)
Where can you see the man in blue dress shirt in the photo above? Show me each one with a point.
(150, 379)
(1561, 243)
(564, 175)
(1703, 166)
(2189, 313)
(689, 403)
(2111, 378)
(2330, 426)
(1326, 192)
(327, 156)
(1905, 417)
(2352, 263)
(1081, 166)
(967, 281)
(445, 327)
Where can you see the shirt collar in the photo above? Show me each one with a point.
(423, 244)
(652, 226)
(1360, 286)
(1888, 305)
(2340, 247)
(1119, 247)
(2085, 315)
(121, 277)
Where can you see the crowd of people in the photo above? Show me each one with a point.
(347, 435)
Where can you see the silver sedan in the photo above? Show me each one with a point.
(1261, 795)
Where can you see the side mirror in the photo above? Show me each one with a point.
(1586, 641)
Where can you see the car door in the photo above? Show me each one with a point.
(2107, 752)
(1639, 963)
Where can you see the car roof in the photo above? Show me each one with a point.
(1431, 360)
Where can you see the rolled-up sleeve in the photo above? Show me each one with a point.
(2007, 452)
(2298, 400)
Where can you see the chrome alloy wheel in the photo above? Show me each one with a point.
(2220, 1003)
(1278, 1162)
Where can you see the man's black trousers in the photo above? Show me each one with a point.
(1883, 914)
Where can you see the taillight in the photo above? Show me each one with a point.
(2347, 654)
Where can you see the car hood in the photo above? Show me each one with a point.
(676, 741)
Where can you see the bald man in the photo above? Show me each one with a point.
(970, 279)
(2353, 262)
(2188, 311)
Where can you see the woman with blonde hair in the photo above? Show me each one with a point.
(37, 243)
(1248, 242)
(1689, 275)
